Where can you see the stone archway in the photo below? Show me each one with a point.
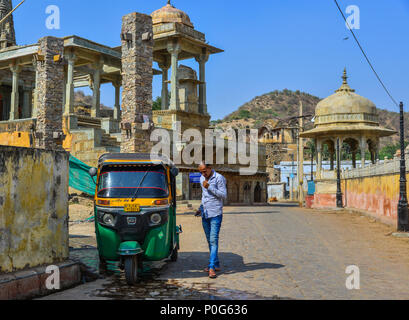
(233, 192)
(247, 193)
(353, 147)
(257, 193)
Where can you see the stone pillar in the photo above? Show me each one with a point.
(15, 69)
(117, 106)
(35, 96)
(137, 59)
(331, 159)
(96, 89)
(362, 146)
(69, 89)
(174, 49)
(202, 59)
(354, 159)
(165, 97)
(26, 102)
(50, 85)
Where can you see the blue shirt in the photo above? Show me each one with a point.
(212, 197)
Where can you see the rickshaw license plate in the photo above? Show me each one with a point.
(132, 207)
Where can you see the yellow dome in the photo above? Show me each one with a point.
(170, 14)
(345, 101)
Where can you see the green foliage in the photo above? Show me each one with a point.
(244, 114)
(390, 150)
(157, 104)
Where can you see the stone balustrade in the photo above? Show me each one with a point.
(384, 167)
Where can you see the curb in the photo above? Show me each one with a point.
(30, 283)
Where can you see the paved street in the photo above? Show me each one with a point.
(267, 252)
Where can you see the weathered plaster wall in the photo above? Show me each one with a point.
(378, 195)
(33, 207)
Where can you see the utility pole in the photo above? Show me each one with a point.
(300, 172)
(403, 223)
(312, 163)
(292, 177)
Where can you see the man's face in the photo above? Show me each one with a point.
(205, 171)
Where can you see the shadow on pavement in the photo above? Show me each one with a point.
(192, 264)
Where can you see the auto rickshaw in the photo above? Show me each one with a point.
(135, 210)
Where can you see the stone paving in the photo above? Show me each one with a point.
(273, 252)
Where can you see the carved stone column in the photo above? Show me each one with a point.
(96, 88)
(69, 89)
(26, 102)
(117, 106)
(362, 146)
(174, 49)
(202, 59)
(165, 97)
(15, 69)
(35, 91)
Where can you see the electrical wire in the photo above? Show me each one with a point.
(366, 57)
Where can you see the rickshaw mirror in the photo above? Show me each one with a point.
(174, 171)
(92, 172)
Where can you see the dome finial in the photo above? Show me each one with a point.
(345, 87)
(345, 77)
(169, 2)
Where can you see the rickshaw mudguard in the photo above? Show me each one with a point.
(108, 242)
(129, 248)
(157, 244)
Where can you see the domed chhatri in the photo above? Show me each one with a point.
(350, 118)
(343, 105)
(168, 14)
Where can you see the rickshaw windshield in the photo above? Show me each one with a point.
(122, 181)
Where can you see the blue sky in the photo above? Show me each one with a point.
(269, 44)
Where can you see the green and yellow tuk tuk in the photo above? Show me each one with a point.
(135, 211)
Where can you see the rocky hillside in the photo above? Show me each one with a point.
(83, 105)
(285, 104)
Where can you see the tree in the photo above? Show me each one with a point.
(390, 150)
(157, 104)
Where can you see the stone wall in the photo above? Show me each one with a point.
(33, 207)
(374, 189)
(86, 145)
(137, 76)
(50, 88)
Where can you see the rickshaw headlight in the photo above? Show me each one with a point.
(156, 218)
(108, 219)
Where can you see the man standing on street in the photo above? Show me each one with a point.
(213, 193)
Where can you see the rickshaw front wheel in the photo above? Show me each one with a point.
(131, 270)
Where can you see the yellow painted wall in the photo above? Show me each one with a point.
(16, 139)
(33, 207)
(378, 195)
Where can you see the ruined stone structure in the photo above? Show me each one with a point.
(7, 33)
(176, 40)
(50, 91)
(354, 121)
(38, 82)
(137, 54)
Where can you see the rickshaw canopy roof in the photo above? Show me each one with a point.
(134, 158)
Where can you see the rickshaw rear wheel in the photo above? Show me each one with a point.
(174, 255)
(131, 270)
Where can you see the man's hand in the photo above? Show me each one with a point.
(198, 213)
(206, 184)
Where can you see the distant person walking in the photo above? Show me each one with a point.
(211, 210)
